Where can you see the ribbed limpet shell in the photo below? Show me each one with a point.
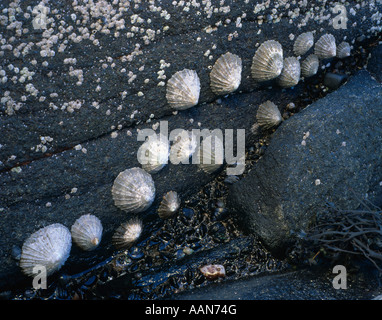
(226, 74)
(268, 115)
(127, 233)
(267, 62)
(153, 153)
(325, 47)
(87, 232)
(309, 66)
(343, 50)
(183, 147)
(290, 75)
(48, 247)
(210, 155)
(183, 89)
(133, 190)
(303, 43)
(169, 205)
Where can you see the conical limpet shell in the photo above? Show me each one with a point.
(87, 232)
(309, 66)
(226, 74)
(267, 62)
(303, 43)
(153, 153)
(133, 190)
(183, 89)
(48, 247)
(343, 50)
(169, 205)
(325, 47)
(268, 115)
(183, 147)
(210, 154)
(127, 233)
(290, 75)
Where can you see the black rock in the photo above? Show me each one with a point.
(374, 65)
(334, 80)
(329, 152)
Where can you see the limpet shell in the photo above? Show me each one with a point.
(309, 66)
(87, 232)
(210, 155)
(225, 76)
(325, 47)
(183, 147)
(183, 89)
(127, 233)
(133, 190)
(268, 115)
(267, 62)
(169, 205)
(303, 43)
(290, 75)
(48, 247)
(343, 50)
(153, 154)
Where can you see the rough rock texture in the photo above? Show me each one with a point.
(306, 284)
(329, 152)
(96, 73)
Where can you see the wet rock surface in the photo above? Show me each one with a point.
(305, 284)
(67, 131)
(325, 153)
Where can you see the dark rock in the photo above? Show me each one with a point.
(306, 284)
(334, 80)
(325, 153)
(49, 146)
(374, 65)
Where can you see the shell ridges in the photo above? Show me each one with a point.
(133, 190)
(154, 153)
(268, 115)
(309, 66)
(183, 89)
(290, 75)
(226, 74)
(127, 233)
(87, 232)
(48, 247)
(267, 63)
(169, 205)
(303, 43)
(325, 47)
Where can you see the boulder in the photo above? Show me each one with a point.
(329, 152)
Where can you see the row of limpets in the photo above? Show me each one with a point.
(133, 189)
(268, 63)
